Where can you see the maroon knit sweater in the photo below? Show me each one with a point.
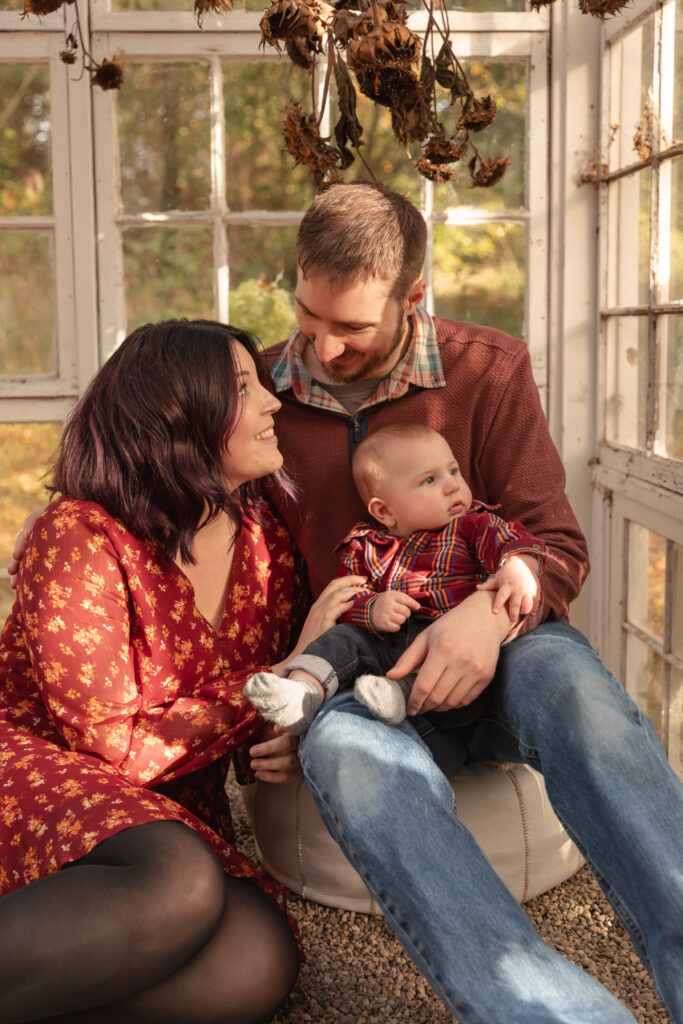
(490, 414)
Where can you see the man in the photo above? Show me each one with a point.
(366, 354)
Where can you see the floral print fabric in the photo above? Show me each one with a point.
(118, 698)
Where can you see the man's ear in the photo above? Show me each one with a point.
(415, 296)
(379, 510)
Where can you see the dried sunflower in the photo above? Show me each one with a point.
(67, 56)
(413, 123)
(489, 171)
(478, 114)
(391, 86)
(296, 19)
(303, 141)
(602, 8)
(442, 150)
(388, 44)
(300, 53)
(435, 172)
(41, 7)
(108, 74)
(202, 7)
(537, 5)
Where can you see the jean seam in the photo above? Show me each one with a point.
(415, 952)
(530, 755)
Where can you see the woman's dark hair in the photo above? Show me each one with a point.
(147, 438)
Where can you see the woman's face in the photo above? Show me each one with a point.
(251, 450)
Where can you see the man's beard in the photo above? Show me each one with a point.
(371, 362)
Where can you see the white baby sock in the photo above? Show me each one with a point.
(386, 698)
(291, 703)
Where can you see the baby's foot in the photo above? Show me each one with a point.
(291, 703)
(386, 698)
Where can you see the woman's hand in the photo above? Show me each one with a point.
(336, 598)
(276, 757)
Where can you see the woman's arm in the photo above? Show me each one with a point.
(76, 600)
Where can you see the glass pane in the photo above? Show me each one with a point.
(506, 137)
(27, 302)
(646, 579)
(669, 435)
(25, 135)
(479, 275)
(677, 603)
(262, 281)
(626, 399)
(629, 230)
(163, 116)
(678, 75)
(26, 451)
(673, 288)
(644, 680)
(260, 173)
(631, 97)
(169, 273)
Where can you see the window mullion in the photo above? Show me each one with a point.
(219, 207)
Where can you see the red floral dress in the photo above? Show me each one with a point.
(114, 688)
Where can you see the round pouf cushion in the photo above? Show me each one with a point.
(504, 806)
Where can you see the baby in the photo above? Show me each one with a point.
(429, 548)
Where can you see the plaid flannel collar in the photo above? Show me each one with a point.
(420, 365)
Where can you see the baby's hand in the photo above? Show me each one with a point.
(517, 583)
(390, 610)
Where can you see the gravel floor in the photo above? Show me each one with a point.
(357, 973)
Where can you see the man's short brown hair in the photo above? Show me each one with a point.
(363, 230)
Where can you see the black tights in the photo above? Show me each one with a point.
(146, 927)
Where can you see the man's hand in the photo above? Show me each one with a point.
(390, 609)
(517, 585)
(456, 656)
(276, 757)
(20, 546)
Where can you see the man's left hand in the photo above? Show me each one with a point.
(455, 658)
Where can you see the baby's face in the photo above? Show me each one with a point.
(424, 488)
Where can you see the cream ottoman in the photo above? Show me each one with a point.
(504, 806)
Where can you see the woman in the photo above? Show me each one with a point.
(150, 591)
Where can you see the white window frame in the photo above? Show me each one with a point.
(43, 397)
(138, 35)
(631, 484)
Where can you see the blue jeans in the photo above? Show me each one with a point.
(389, 805)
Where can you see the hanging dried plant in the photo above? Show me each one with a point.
(390, 44)
(412, 124)
(602, 8)
(348, 127)
(202, 7)
(537, 5)
(303, 141)
(441, 150)
(486, 173)
(434, 172)
(41, 7)
(296, 19)
(392, 87)
(108, 74)
(478, 114)
(300, 53)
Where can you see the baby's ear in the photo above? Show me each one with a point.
(380, 511)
